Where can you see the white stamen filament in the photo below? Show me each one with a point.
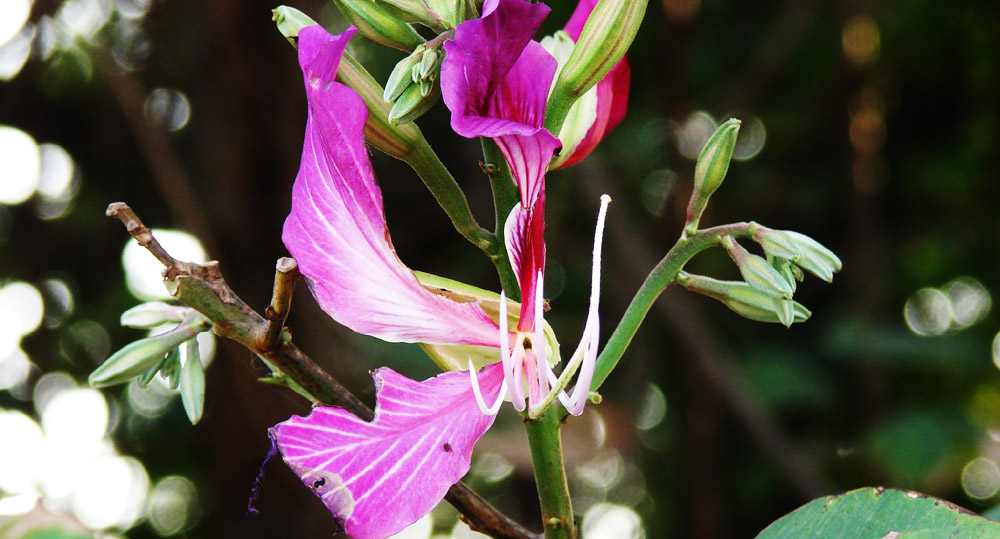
(488, 410)
(538, 345)
(585, 355)
(511, 374)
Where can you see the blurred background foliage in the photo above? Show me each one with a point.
(870, 126)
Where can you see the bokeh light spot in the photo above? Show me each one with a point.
(611, 521)
(981, 479)
(491, 467)
(656, 189)
(653, 408)
(168, 109)
(928, 312)
(14, 53)
(111, 493)
(143, 270)
(970, 301)
(15, 14)
(860, 39)
(420, 529)
(694, 133)
(18, 461)
(19, 165)
(172, 504)
(14, 369)
(76, 417)
(26, 303)
(751, 139)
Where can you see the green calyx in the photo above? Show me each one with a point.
(452, 357)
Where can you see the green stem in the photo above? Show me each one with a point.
(505, 197)
(656, 282)
(550, 474)
(448, 194)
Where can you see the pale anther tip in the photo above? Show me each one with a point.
(605, 199)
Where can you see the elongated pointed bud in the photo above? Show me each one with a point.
(289, 21)
(411, 87)
(710, 169)
(379, 24)
(152, 314)
(603, 41)
(192, 382)
(756, 271)
(413, 103)
(746, 300)
(401, 77)
(136, 358)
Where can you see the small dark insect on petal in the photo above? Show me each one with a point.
(447, 447)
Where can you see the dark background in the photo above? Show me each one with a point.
(887, 154)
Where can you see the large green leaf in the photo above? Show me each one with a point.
(881, 513)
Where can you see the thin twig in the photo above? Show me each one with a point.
(286, 272)
(202, 288)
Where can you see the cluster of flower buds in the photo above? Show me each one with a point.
(160, 354)
(411, 86)
(769, 281)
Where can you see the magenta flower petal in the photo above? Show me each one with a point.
(377, 478)
(474, 74)
(336, 229)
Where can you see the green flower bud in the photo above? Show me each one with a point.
(787, 269)
(413, 103)
(148, 376)
(152, 314)
(379, 23)
(746, 300)
(137, 358)
(815, 259)
(756, 271)
(430, 63)
(777, 243)
(583, 113)
(289, 21)
(171, 368)
(710, 169)
(402, 75)
(394, 140)
(603, 41)
(192, 382)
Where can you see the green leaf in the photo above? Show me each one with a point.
(878, 513)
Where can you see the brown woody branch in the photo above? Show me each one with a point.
(201, 287)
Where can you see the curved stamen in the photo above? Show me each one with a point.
(511, 374)
(584, 357)
(488, 410)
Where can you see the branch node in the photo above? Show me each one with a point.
(286, 272)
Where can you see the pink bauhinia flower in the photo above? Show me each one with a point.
(376, 478)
